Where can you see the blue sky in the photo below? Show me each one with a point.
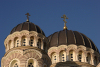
(84, 17)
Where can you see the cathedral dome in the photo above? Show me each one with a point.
(27, 26)
(68, 37)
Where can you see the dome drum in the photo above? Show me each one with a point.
(24, 38)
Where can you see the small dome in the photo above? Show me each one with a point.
(68, 37)
(27, 26)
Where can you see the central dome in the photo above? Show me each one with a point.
(68, 37)
(27, 26)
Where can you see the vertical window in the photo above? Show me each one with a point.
(31, 41)
(88, 58)
(16, 42)
(62, 56)
(80, 56)
(71, 55)
(54, 57)
(31, 63)
(24, 42)
(39, 43)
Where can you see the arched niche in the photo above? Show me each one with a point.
(39, 43)
(23, 40)
(31, 62)
(72, 55)
(16, 42)
(14, 63)
(54, 57)
(88, 58)
(80, 56)
(62, 56)
(31, 43)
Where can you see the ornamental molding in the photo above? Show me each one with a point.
(34, 51)
(14, 51)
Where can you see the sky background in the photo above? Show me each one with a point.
(84, 17)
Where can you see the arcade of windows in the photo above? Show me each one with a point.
(24, 42)
(71, 57)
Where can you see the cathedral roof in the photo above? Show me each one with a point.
(27, 26)
(68, 37)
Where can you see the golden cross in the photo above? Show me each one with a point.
(27, 16)
(65, 17)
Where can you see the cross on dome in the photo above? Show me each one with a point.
(64, 17)
(27, 17)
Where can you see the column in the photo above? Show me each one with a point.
(27, 41)
(35, 41)
(58, 57)
(76, 56)
(85, 55)
(20, 43)
(42, 44)
(67, 55)
(92, 59)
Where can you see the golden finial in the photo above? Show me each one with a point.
(27, 17)
(65, 17)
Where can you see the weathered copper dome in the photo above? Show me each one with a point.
(68, 37)
(27, 26)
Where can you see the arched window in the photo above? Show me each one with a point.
(23, 41)
(95, 60)
(32, 63)
(16, 42)
(88, 58)
(31, 41)
(54, 57)
(39, 43)
(80, 56)
(62, 56)
(71, 55)
(14, 63)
